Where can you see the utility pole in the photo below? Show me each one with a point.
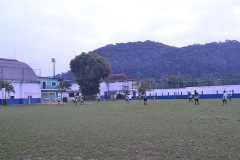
(14, 52)
(122, 68)
(53, 60)
(208, 80)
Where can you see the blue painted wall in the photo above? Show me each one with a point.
(204, 96)
(21, 101)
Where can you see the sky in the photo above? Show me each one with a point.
(34, 31)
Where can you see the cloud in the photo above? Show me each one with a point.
(42, 29)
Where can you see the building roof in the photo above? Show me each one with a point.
(58, 79)
(16, 71)
(120, 77)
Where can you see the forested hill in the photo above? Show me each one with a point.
(156, 60)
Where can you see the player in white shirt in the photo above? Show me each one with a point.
(225, 96)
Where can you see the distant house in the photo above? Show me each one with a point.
(75, 91)
(117, 83)
(49, 88)
(23, 79)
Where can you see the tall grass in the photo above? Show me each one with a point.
(163, 129)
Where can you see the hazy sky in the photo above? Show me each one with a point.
(43, 29)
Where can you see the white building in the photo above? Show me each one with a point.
(117, 83)
(24, 80)
(75, 91)
(109, 86)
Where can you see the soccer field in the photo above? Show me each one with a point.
(163, 129)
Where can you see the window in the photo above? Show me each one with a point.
(12, 97)
(54, 83)
(44, 85)
(71, 94)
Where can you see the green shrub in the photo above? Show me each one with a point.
(65, 99)
(5, 102)
(119, 96)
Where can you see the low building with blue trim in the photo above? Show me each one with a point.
(24, 80)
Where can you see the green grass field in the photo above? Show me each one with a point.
(164, 129)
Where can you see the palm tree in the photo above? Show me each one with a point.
(64, 86)
(8, 87)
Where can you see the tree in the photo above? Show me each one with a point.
(88, 70)
(130, 86)
(175, 81)
(143, 87)
(8, 88)
(64, 86)
(125, 89)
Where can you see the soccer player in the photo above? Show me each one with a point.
(98, 98)
(81, 100)
(189, 97)
(59, 99)
(145, 98)
(115, 97)
(139, 97)
(127, 98)
(224, 101)
(230, 95)
(76, 99)
(196, 98)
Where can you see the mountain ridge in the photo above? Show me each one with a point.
(156, 60)
(151, 59)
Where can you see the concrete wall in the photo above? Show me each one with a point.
(203, 91)
(24, 93)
